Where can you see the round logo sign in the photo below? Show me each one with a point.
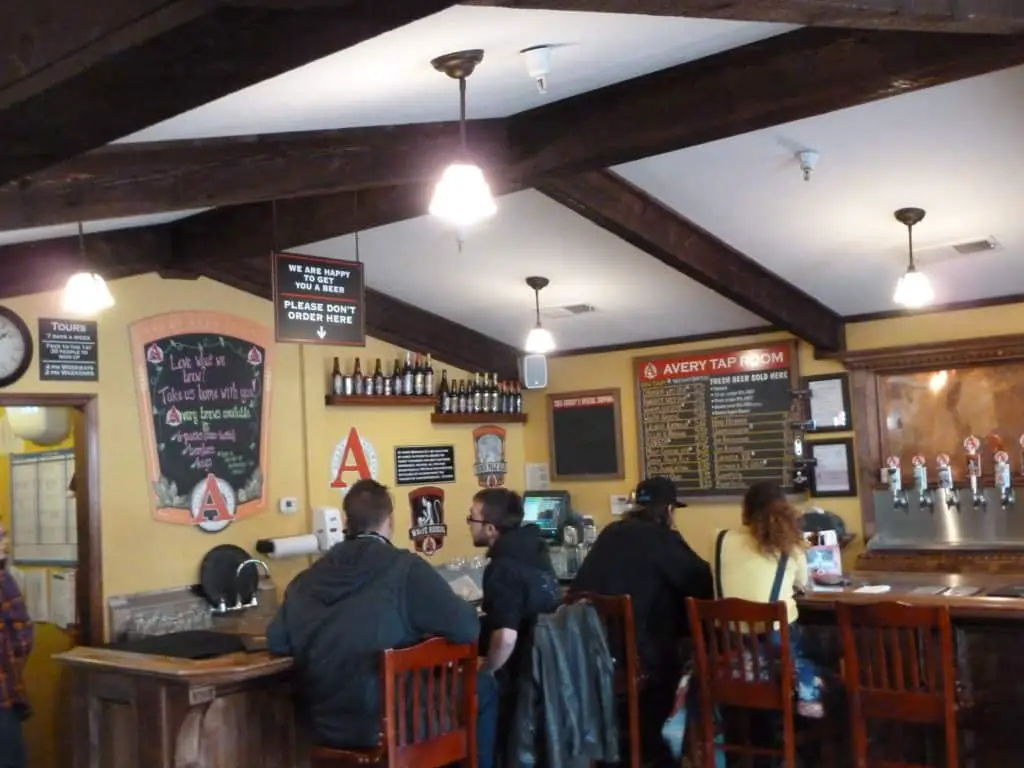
(918, 460)
(972, 444)
(942, 459)
(892, 462)
(1002, 457)
(213, 504)
(650, 371)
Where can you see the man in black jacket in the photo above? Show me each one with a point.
(363, 597)
(519, 581)
(645, 557)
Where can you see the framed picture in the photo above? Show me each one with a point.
(829, 402)
(833, 474)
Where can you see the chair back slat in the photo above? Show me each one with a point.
(899, 667)
(740, 666)
(430, 703)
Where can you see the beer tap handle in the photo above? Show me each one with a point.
(971, 446)
(1003, 478)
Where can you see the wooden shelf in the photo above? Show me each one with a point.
(383, 400)
(478, 418)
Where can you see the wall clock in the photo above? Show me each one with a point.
(15, 347)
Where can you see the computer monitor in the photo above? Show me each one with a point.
(547, 510)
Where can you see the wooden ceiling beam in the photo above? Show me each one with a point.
(797, 75)
(45, 265)
(789, 77)
(111, 68)
(970, 16)
(614, 204)
(135, 179)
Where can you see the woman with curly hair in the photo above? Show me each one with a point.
(765, 561)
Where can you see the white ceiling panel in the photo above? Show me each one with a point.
(389, 80)
(636, 297)
(953, 150)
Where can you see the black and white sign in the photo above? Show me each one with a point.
(318, 301)
(67, 350)
(421, 464)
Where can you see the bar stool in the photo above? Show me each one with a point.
(429, 717)
(616, 612)
(900, 668)
(739, 668)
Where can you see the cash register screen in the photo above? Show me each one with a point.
(547, 510)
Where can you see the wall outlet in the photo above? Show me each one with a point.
(289, 505)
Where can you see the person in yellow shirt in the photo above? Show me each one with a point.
(765, 561)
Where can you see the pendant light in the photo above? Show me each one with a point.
(539, 340)
(86, 293)
(914, 289)
(462, 197)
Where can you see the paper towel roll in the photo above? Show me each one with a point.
(289, 546)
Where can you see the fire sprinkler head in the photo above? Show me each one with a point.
(538, 64)
(808, 162)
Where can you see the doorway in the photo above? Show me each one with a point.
(61, 578)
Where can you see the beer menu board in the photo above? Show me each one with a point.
(717, 421)
(203, 390)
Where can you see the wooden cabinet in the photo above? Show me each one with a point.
(130, 710)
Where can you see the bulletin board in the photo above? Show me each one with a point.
(44, 514)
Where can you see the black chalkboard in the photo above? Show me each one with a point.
(205, 398)
(716, 421)
(586, 435)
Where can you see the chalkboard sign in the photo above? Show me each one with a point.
(203, 386)
(586, 435)
(717, 421)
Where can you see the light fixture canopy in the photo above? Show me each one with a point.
(914, 289)
(462, 196)
(86, 294)
(539, 340)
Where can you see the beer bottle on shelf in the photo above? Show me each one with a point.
(378, 380)
(357, 379)
(397, 379)
(485, 397)
(444, 400)
(503, 393)
(495, 394)
(408, 377)
(517, 406)
(388, 384)
(428, 377)
(419, 376)
(463, 399)
(337, 380)
(477, 395)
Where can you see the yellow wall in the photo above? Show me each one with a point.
(41, 675)
(696, 522)
(387, 427)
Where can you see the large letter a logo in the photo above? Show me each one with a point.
(353, 459)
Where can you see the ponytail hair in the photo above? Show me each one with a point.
(772, 520)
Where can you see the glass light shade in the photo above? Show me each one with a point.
(462, 197)
(86, 294)
(913, 290)
(539, 341)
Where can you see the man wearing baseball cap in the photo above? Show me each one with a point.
(645, 557)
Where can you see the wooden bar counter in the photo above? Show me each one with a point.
(130, 709)
(989, 635)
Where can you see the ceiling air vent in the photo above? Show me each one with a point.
(977, 246)
(570, 310)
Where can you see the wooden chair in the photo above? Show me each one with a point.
(429, 717)
(616, 612)
(899, 667)
(737, 667)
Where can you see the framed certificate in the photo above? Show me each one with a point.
(829, 402)
(833, 474)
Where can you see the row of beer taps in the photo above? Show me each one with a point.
(950, 494)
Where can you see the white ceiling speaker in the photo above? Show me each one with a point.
(535, 371)
(538, 65)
